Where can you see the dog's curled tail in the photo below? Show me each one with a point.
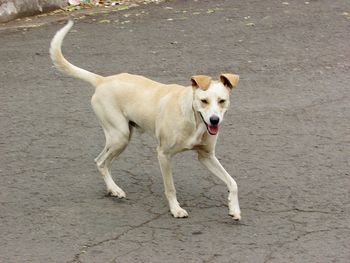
(63, 65)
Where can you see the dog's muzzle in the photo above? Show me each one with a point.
(213, 127)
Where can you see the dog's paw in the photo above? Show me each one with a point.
(179, 212)
(235, 216)
(116, 192)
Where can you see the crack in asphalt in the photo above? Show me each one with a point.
(89, 246)
(295, 210)
(269, 257)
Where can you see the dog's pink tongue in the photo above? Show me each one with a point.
(213, 129)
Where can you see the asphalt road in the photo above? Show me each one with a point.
(286, 138)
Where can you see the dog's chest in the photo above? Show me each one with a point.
(196, 138)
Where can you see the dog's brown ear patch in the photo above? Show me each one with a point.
(201, 81)
(229, 80)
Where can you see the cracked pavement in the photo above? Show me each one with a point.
(285, 139)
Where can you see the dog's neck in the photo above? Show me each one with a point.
(199, 128)
(197, 117)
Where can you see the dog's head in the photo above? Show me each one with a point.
(212, 98)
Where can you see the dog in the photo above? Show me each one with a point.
(181, 118)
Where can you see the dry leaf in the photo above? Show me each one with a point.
(104, 21)
(122, 7)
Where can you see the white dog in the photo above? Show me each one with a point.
(181, 118)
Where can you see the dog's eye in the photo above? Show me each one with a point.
(204, 101)
(222, 101)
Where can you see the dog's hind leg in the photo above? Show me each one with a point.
(117, 132)
(104, 163)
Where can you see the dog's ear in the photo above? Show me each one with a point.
(229, 80)
(201, 81)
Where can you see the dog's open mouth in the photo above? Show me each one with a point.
(212, 129)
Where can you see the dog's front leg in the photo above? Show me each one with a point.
(212, 163)
(170, 192)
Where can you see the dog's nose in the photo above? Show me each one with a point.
(214, 120)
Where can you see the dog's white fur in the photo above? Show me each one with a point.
(178, 116)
